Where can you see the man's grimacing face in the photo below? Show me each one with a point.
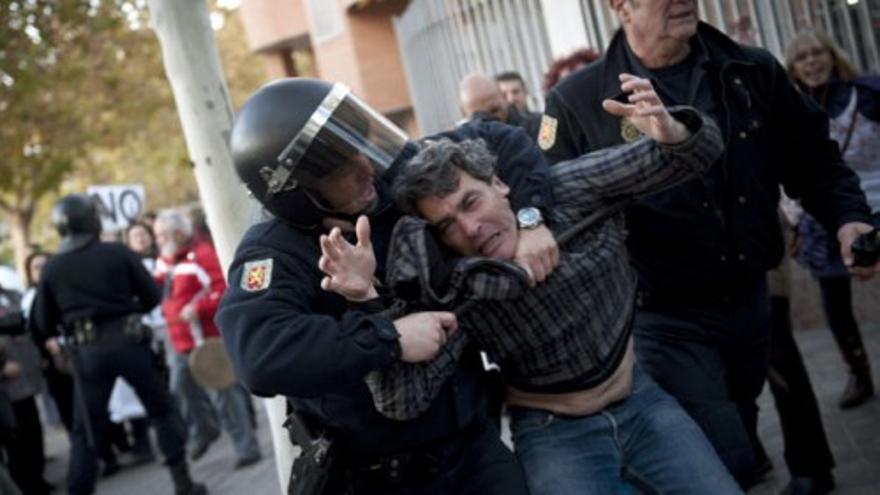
(475, 220)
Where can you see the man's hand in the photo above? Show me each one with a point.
(846, 235)
(537, 252)
(11, 370)
(53, 347)
(423, 334)
(646, 112)
(349, 269)
(188, 313)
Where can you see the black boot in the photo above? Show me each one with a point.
(183, 484)
(859, 389)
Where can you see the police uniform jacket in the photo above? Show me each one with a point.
(99, 281)
(287, 336)
(713, 238)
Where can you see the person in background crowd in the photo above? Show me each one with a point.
(56, 395)
(21, 380)
(193, 284)
(564, 66)
(97, 293)
(480, 98)
(514, 90)
(821, 70)
(702, 249)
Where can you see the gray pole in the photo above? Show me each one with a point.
(192, 66)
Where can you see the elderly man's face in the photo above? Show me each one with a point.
(475, 220)
(660, 21)
(169, 239)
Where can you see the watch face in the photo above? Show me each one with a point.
(528, 217)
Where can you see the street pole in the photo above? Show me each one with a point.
(192, 66)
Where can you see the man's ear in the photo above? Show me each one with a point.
(500, 186)
(617, 6)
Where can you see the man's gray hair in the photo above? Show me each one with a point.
(434, 171)
(176, 221)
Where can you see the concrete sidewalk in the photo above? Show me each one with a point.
(854, 437)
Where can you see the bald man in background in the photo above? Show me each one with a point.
(480, 98)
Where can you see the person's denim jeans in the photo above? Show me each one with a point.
(645, 443)
(229, 407)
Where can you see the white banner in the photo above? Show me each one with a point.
(118, 204)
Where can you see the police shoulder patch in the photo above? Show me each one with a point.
(547, 134)
(257, 275)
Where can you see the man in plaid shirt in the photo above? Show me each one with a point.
(585, 418)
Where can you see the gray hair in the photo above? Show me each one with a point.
(434, 171)
(176, 221)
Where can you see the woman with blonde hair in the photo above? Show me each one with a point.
(821, 70)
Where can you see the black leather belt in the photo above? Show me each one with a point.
(128, 327)
(417, 465)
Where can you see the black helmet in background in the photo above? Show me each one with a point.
(293, 135)
(76, 219)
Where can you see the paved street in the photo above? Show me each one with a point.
(854, 436)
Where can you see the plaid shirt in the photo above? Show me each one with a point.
(568, 333)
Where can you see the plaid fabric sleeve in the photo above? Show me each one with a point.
(630, 171)
(404, 390)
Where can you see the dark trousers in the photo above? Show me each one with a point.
(99, 364)
(713, 359)
(807, 453)
(25, 448)
(61, 387)
(480, 464)
(837, 303)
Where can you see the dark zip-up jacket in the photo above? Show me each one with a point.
(294, 339)
(713, 238)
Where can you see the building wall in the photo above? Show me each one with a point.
(269, 22)
(378, 56)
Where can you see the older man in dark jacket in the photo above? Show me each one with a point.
(703, 248)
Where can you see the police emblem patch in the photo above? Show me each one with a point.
(628, 131)
(547, 134)
(257, 275)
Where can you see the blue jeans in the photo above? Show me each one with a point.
(644, 443)
(200, 407)
(713, 359)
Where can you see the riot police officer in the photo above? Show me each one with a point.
(314, 154)
(96, 293)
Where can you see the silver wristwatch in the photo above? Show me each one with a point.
(529, 218)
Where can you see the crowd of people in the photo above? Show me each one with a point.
(106, 391)
(607, 258)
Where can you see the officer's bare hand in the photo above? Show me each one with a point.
(646, 112)
(349, 268)
(11, 369)
(846, 235)
(537, 252)
(423, 334)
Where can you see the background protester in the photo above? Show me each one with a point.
(564, 66)
(189, 273)
(21, 379)
(821, 70)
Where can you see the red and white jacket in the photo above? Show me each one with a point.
(195, 275)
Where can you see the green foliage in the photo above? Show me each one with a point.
(84, 100)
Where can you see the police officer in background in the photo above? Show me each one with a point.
(97, 292)
(315, 155)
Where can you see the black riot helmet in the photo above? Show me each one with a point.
(293, 135)
(76, 219)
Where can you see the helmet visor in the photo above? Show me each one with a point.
(342, 132)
